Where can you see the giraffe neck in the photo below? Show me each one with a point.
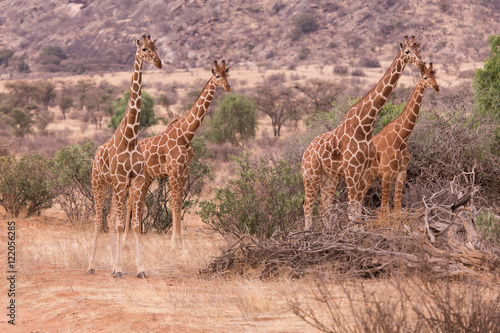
(368, 108)
(129, 126)
(192, 120)
(408, 118)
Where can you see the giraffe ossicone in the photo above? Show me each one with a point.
(348, 150)
(118, 161)
(169, 154)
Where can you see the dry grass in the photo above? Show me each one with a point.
(55, 294)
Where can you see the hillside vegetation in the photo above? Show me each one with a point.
(97, 35)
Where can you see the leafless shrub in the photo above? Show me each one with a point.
(434, 241)
(222, 152)
(420, 306)
(368, 62)
(358, 72)
(341, 70)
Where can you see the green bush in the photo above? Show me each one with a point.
(389, 112)
(264, 197)
(21, 121)
(489, 226)
(487, 82)
(148, 117)
(72, 185)
(235, 120)
(25, 184)
(487, 90)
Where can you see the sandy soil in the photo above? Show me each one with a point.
(53, 293)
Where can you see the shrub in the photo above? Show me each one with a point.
(489, 226)
(264, 197)
(234, 121)
(388, 113)
(341, 70)
(20, 121)
(369, 62)
(25, 183)
(72, 185)
(487, 88)
(305, 22)
(148, 117)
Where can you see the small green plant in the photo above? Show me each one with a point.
(489, 226)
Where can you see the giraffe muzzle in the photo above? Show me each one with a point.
(157, 63)
(227, 88)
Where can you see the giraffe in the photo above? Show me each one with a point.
(118, 161)
(169, 154)
(348, 150)
(392, 155)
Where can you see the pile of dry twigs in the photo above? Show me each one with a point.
(432, 239)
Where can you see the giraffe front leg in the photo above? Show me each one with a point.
(118, 197)
(99, 190)
(137, 193)
(177, 193)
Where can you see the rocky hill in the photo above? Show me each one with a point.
(99, 35)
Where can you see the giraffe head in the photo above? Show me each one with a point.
(429, 77)
(146, 49)
(220, 75)
(409, 52)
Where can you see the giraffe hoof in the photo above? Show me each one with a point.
(141, 275)
(118, 275)
(91, 271)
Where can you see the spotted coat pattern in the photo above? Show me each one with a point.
(392, 154)
(348, 150)
(169, 154)
(119, 160)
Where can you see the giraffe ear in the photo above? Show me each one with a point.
(138, 42)
(419, 45)
(155, 41)
(213, 71)
(400, 45)
(227, 69)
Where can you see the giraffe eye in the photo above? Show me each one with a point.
(407, 51)
(425, 77)
(144, 49)
(217, 76)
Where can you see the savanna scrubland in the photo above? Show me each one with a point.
(247, 264)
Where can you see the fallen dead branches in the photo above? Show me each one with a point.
(432, 240)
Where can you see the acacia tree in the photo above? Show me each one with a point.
(279, 104)
(320, 94)
(65, 104)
